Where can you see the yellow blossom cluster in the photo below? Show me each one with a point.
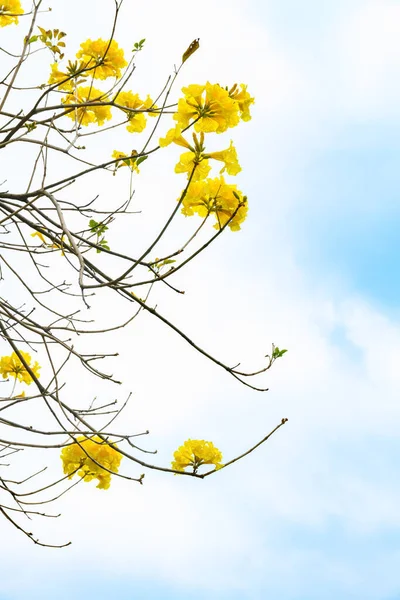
(81, 458)
(210, 108)
(13, 366)
(66, 79)
(215, 196)
(9, 11)
(213, 108)
(104, 58)
(197, 156)
(135, 109)
(99, 59)
(194, 453)
(98, 113)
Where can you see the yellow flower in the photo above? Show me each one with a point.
(12, 366)
(76, 459)
(214, 196)
(13, 8)
(132, 104)
(229, 157)
(195, 453)
(73, 72)
(56, 75)
(54, 245)
(153, 108)
(88, 114)
(39, 235)
(186, 164)
(213, 112)
(108, 57)
(244, 100)
(175, 136)
(57, 246)
(126, 160)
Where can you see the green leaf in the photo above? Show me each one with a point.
(138, 45)
(141, 159)
(34, 38)
(104, 245)
(278, 353)
(167, 261)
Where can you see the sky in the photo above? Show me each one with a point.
(312, 514)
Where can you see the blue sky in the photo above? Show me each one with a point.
(314, 514)
(352, 224)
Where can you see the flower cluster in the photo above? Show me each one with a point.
(98, 113)
(83, 455)
(195, 453)
(9, 11)
(213, 108)
(210, 108)
(104, 58)
(66, 80)
(13, 366)
(99, 59)
(198, 157)
(215, 196)
(134, 108)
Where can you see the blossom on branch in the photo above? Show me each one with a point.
(9, 11)
(80, 457)
(106, 57)
(68, 79)
(175, 136)
(187, 162)
(244, 100)
(40, 236)
(195, 453)
(133, 107)
(215, 196)
(125, 160)
(230, 159)
(12, 366)
(57, 76)
(88, 114)
(209, 106)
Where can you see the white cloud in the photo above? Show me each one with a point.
(371, 57)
